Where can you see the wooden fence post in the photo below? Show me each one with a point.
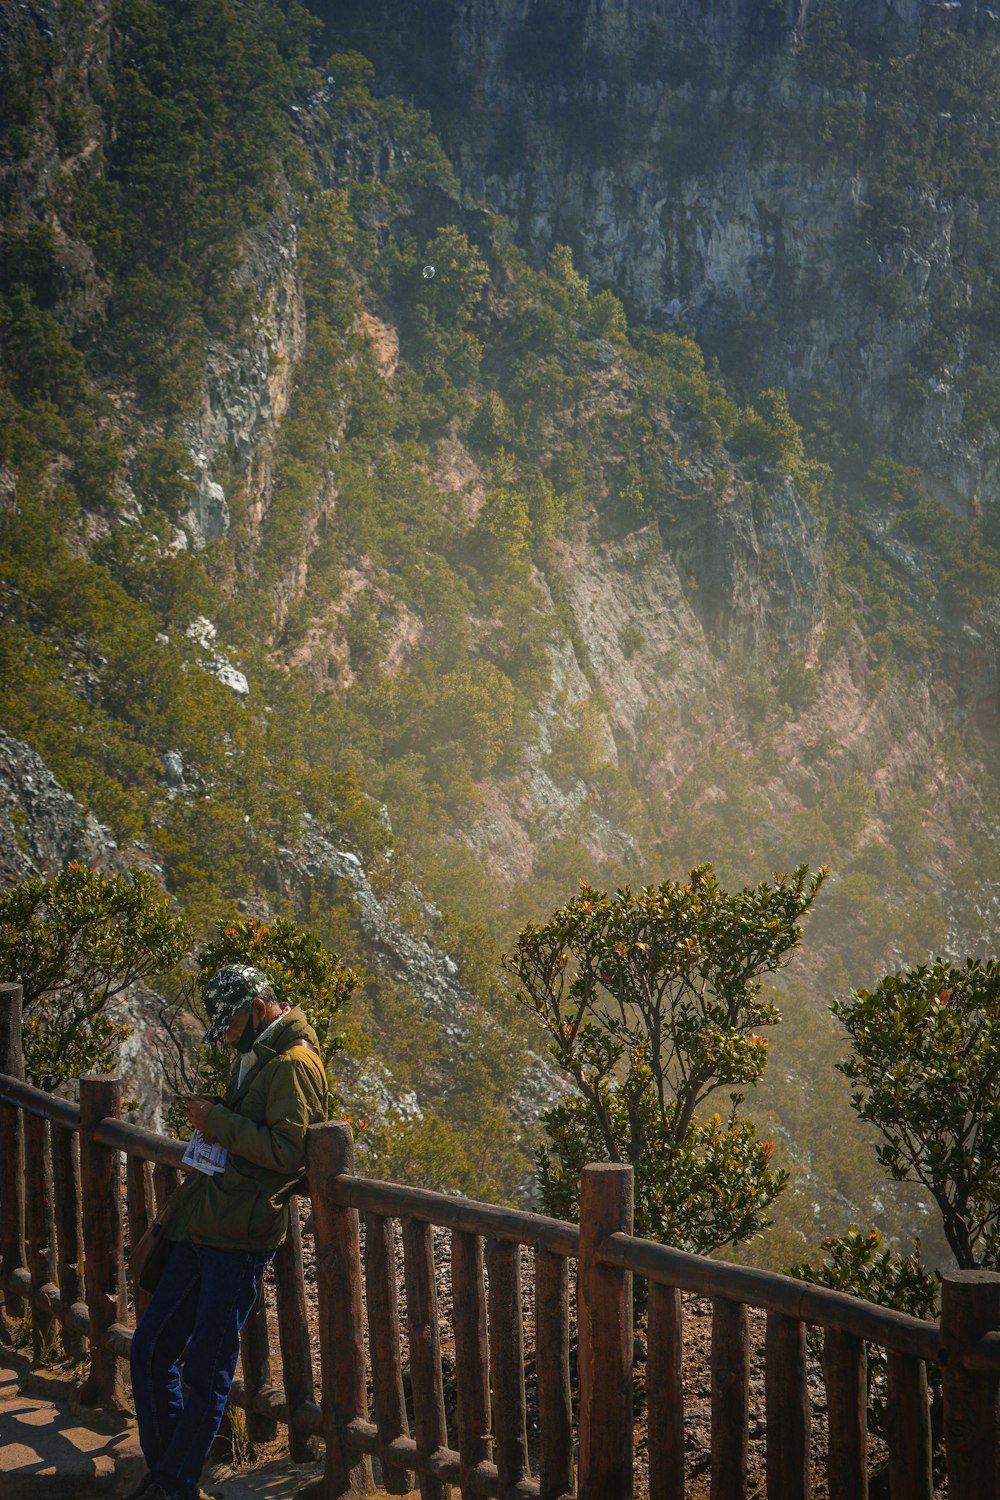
(255, 1359)
(11, 1170)
(845, 1372)
(472, 1381)
(382, 1292)
(730, 1375)
(38, 1228)
(423, 1329)
(786, 1397)
(139, 1210)
(69, 1253)
(665, 1392)
(506, 1332)
(970, 1307)
(329, 1155)
(908, 1428)
(604, 1332)
(555, 1401)
(293, 1332)
(100, 1178)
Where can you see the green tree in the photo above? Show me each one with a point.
(863, 1265)
(924, 1066)
(302, 971)
(767, 431)
(652, 1004)
(75, 944)
(476, 709)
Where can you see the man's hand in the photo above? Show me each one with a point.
(197, 1108)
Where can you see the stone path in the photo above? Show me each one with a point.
(47, 1450)
(50, 1450)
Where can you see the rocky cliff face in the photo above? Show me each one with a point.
(674, 148)
(708, 671)
(247, 384)
(43, 828)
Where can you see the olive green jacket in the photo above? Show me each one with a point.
(263, 1126)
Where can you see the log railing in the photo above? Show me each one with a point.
(64, 1205)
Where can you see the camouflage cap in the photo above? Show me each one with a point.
(232, 986)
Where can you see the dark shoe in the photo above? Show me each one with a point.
(141, 1489)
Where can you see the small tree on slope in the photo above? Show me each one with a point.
(75, 944)
(652, 1004)
(925, 1069)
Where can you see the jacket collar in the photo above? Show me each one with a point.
(290, 1028)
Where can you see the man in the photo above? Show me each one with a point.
(225, 1227)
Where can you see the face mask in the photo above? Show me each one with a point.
(249, 1034)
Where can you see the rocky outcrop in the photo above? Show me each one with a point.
(318, 866)
(248, 381)
(42, 828)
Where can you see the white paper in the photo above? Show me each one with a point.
(205, 1157)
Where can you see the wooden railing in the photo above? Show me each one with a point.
(60, 1168)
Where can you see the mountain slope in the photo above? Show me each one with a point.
(331, 518)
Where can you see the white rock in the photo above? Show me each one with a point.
(232, 678)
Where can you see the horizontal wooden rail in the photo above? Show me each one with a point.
(135, 1140)
(392, 1199)
(37, 1102)
(46, 1298)
(983, 1357)
(272, 1402)
(775, 1293)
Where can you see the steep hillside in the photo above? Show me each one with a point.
(351, 554)
(811, 188)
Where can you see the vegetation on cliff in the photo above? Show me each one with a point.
(452, 439)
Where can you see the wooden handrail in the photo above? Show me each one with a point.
(37, 1102)
(135, 1140)
(774, 1293)
(395, 1200)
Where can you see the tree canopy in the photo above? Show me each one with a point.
(75, 944)
(652, 1003)
(924, 1066)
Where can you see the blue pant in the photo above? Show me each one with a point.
(203, 1300)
